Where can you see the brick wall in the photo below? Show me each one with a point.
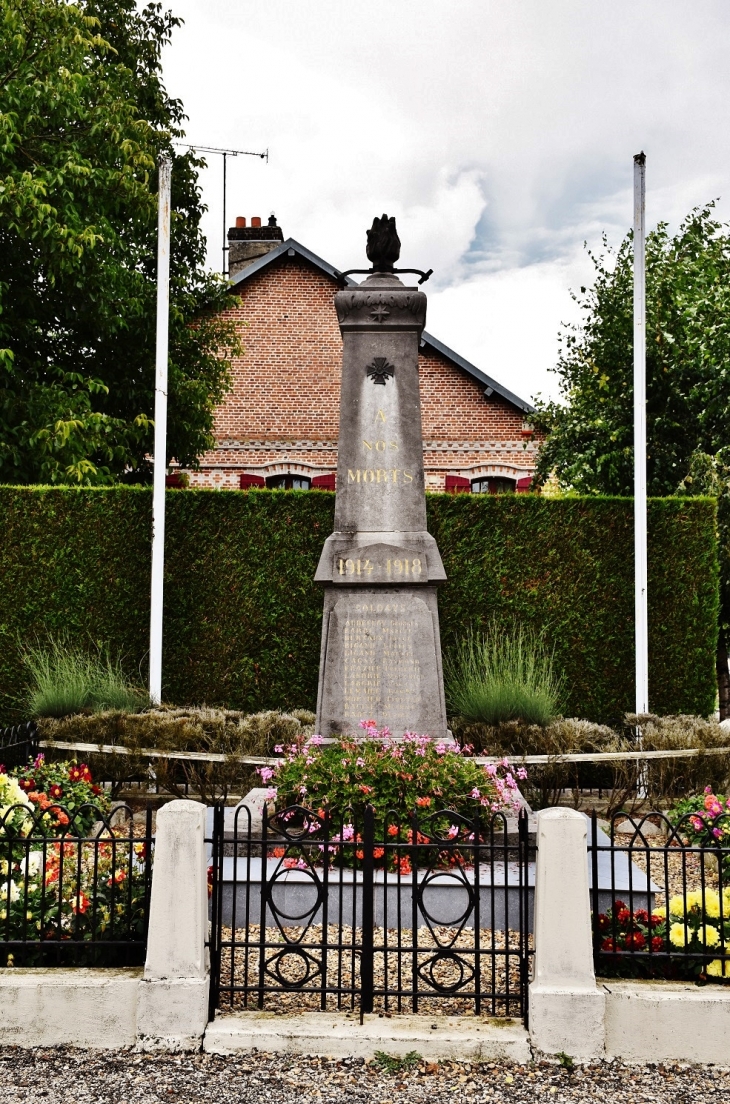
(283, 412)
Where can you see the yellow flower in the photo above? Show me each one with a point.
(712, 903)
(693, 900)
(676, 906)
(710, 936)
(677, 934)
(661, 911)
(718, 968)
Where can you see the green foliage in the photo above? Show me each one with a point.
(415, 775)
(215, 731)
(505, 674)
(389, 1063)
(84, 117)
(243, 617)
(65, 679)
(688, 348)
(62, 797)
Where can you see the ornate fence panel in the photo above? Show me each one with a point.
(423, 913)
(671, 916)
(74, 886)
(18, 744)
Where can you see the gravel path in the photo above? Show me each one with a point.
(65, 1076)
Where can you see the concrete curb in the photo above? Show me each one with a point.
(343, 1036)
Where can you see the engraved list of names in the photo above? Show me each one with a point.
(381, 672)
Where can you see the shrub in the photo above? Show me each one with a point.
(243, 616)
(415, 774)
(502, 676)
(216, 731)
(691, 925)
(58, 794)
(64, 680)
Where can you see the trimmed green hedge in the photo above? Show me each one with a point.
(242, 615)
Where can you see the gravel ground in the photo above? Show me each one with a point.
(65, 1076)
(682, 872)
(445, 972)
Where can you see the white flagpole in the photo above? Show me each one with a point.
(160, 458)
(640, 559)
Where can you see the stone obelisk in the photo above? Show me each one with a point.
(381, 650)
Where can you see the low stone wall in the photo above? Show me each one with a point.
(72, 1007)
(165, 1006)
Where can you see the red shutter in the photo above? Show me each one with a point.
(524, 486)
(247, 481)
(457, 484)
(324, 482)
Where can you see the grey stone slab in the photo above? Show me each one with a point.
(381, 660)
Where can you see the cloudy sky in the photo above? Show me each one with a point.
(500, 133)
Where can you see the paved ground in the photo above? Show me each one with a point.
(64, 1076)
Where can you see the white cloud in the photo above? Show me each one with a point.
(500, 134)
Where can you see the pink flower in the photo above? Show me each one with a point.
(348, 832)
(359, 762)
(303, 790)
(279, 749)
(521, 773)
(453, 831)
(440, 749)
(39, 760)
(476, 792)
(271, 794)
(316, 740)
(266, 773)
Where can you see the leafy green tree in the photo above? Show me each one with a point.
(84, 117)
(589, 448)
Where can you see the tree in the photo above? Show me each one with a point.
(84, 116)
(589, 447)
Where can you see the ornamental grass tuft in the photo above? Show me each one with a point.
(65, 680)
(502, 676)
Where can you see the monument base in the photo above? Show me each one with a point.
(381, 661)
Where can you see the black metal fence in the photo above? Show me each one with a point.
(18, 744)
(419, 913)
(74, 886)
(660, 902)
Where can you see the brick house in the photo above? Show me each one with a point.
(278, 426)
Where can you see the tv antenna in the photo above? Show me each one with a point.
(225, 154)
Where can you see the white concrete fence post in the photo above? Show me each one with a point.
(172, 1011)
(567, 1011)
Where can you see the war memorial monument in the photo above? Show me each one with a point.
(381, 650)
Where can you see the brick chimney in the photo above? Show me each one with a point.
(247, 243)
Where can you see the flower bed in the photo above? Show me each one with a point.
(62, 894)
(447, 791)
(677, 941)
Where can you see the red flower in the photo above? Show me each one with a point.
(404, 865)
(393, 829)
(657, 943)
(378, 852)
(27, 784)
(636, 941)
(81, 903)
(603, 922)
(618, 906)
(641, 916)
(96, 790)
(423, 802)
(367, 789)
(624, 916)
(360, 855)
(61, 817)
(55, 790)
(610, 945)
(655, 921)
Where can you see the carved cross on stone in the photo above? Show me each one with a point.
(380, 370)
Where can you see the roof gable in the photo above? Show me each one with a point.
(292, 248)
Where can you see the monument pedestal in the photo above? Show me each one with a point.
(381, 651)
